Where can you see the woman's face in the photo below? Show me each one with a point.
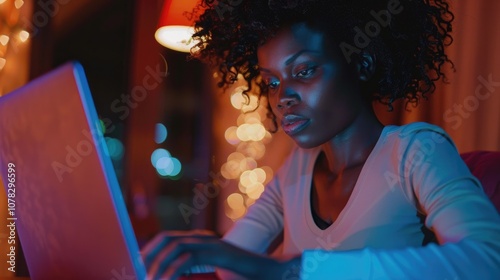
(311, 88)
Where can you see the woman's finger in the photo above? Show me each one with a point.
(153, 248)
(182, 264)
(199, 249)
(173, 250)
(164, 258)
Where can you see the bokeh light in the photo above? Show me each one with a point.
(235, 206)
(241, 102)
(257, 132)
(249, 136)
(235, 214)
(255, 190)
(251, 132)
(231, 169)
(101, 126)
(4, 40)
(238, 157)
(24, 35)
(18, 3)
(115, 148)
(238, 100)
(254, 150)
(235, 200)
(250, 118)
(252, 182)
(260, 175)
(247, 164)
(160, 133)
(168, 166)
(249, 201)
(177, 167)
(230, 135)
(165, 166)
(245, 180)
(157, 154)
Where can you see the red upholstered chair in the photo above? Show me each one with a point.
(485, 165)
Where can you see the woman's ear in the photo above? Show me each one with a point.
(365, 66)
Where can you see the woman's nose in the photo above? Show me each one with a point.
(287, 98)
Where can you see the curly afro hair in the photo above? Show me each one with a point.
(407, 38)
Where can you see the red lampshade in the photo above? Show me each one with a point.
(175, 26)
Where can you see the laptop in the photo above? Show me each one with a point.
(64, 199)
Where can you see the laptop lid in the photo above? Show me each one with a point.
(66, 203)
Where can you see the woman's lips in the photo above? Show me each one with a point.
(293, 124)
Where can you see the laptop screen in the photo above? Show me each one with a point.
(67, 206)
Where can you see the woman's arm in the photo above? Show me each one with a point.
(241, 250)
(170, 254)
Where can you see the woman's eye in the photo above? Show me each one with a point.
(306, 73)
(272, 84)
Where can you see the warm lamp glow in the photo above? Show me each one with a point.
(175, 26)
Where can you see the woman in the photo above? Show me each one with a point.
(355, 200)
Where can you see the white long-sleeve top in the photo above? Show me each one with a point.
(378, 235)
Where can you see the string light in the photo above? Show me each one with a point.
(12, 33)
(249, 136)
(18, 4)
(24, 35)
(4, 40)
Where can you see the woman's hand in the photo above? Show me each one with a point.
(170, 254)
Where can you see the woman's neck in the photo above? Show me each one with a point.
(353, 145)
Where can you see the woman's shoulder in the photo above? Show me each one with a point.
(417, 132)
(415, 137)
(412, 129)
(415, 127)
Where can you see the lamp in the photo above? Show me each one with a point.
(176, 25)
